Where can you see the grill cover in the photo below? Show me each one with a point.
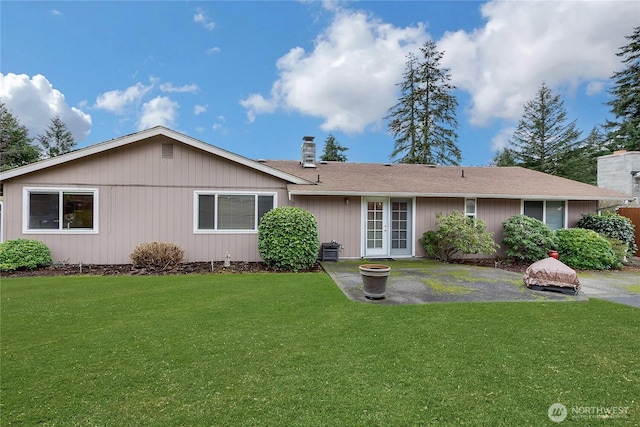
(552, 273)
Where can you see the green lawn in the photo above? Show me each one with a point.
(291, 350)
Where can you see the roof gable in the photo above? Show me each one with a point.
(142, 135)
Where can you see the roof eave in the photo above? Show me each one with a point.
(155, 131)
(456, 195)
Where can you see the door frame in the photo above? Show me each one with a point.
(385, 251)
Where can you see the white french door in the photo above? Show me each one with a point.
(388, 227)
(376, 239)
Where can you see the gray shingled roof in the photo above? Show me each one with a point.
(345, 178)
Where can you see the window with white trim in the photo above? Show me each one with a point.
(222, 211)
(551, 212)
(49, 210)
(470, 208)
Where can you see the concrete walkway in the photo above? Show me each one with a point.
(427, 281)
(615, 286)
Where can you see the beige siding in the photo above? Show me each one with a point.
(337, 221)
(426, 210)
(494, 212)
(576, 209)
(144, 198)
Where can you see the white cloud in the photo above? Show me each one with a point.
(55, 12)
(257, 104)
(199, 109)
(501, 139)
(214, 49)
(595, 87)
(203, 19)
(116, 101)
(35, 102)
(170, 88)
(160, 111)
(522, 44)
(348, 79)
(220, 123)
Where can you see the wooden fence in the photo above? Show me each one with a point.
(634, 215)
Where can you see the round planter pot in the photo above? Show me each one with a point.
(553, 254)
(374, 278)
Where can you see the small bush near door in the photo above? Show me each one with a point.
(21, 254)
(288, 238)
(157, 256)
(458, 235)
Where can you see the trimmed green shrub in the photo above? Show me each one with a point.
(288, 238)
(157, 256)
(584, 249)
(619, 247)
(458, 234)
(527, 239)
(613, 226)
(21, 254)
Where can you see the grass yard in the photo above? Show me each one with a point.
(291, 350)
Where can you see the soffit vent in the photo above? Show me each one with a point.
(167, 151)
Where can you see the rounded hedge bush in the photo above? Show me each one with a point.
(584, 249)
(527, 239)
(288, 238)
(157, 256)
(21, 254)
(613, 226)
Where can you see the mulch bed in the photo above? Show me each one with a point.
(219, 268)
(129, 270)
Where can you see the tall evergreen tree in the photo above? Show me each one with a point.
(543, 136)
(624, 131)
(15, 145)
(503, 157)
(581, 163)
(57, 139)
(423, 122)
(333, 151)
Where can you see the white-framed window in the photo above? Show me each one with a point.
(551, 212)
(60, 210)
(470, 208)
(216, 211)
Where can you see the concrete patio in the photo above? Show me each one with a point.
(425, 281)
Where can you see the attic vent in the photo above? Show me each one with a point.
(308, 152)
(167, 151)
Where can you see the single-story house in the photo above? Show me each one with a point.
(95, 204)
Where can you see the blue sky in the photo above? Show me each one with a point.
(255, 77)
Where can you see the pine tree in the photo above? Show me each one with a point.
(15, 145)
(333, 151)
(503, 157)
(57, 139)
(624, 132)
(581, 163)
(543, 136)
(423, 122)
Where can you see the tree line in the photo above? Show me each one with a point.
(423, 121)
(17, 148)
